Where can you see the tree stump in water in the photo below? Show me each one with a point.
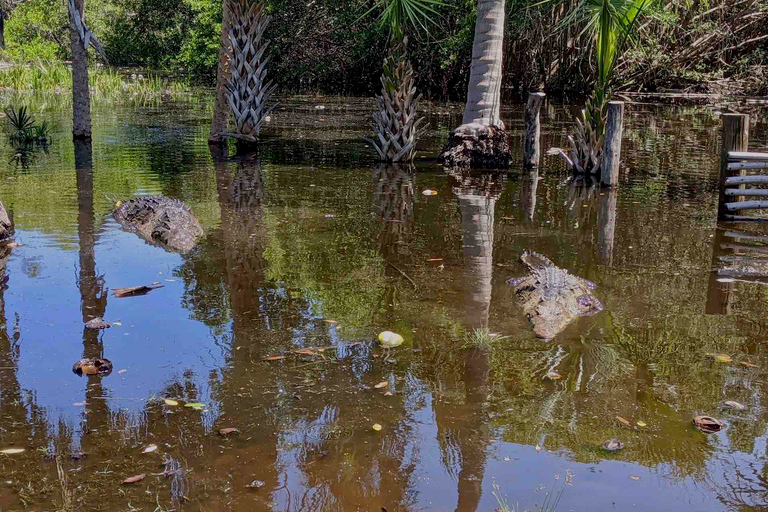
(6, 224)
(477, 146)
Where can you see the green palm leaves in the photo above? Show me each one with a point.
(400, 14)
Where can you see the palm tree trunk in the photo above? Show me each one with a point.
(81, 100)
(481, 141)
(220, 121)
(484, 91)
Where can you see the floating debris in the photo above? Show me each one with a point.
(273, 358)
(149, 449)
(92, 366)
(553, 376)
(133, 479)
(170, 402)
(195, 405)
(747, 364)
(623, 421)
(736, 406)
(381, 384)
(390, 339)
(97, 323)
(708, 424)
(228, 431)
(641, 424)
(256, 484)
(12, 451)
(613, 445)
(429, 192)
(376, 427)
(135, 291)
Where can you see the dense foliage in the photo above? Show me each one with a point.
(330, 46)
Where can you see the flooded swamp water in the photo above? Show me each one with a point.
(312, 245)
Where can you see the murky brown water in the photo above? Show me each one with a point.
(314, 245)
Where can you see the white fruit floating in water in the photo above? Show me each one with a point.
(390, 339)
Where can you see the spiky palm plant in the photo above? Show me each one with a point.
(396, 123)
(248, 91)
(611, 24)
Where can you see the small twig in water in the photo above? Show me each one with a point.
(401, 273)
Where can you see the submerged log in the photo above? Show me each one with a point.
(161, 221)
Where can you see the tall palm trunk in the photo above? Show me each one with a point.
(484, 91)
(481, 141)
(220, 121)
(81, 98)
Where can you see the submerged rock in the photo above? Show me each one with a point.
(551, 297)
(97, 323)
(162, 221)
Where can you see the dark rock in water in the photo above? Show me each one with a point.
(97, 323)
(161, 221)
(6, 224)
(477, 146)
(92, 366)
(551, 297)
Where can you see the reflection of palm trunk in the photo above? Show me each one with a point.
(93, 297)
(606, 219)
(393, 202)
(240, 200)
(477, 240)
(10, 390)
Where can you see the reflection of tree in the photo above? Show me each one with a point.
(463, 428)
(393, 202)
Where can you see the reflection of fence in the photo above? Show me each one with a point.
(735, 164)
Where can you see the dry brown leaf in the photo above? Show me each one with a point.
(135, 290)
(623, 421)
(274, 358)
(133, 479)
(748, 364)
(228, 431)
(305, 352)
(381, 384)
(634, 477)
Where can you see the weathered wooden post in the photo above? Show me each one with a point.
(735, 138)
(532, 147)
(614, 127)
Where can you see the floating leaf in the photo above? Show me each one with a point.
(634, 477)
(390, 339)
(149, 449)
(274, 358)
(554, 376)
(120, 372)
(537, 448)
(429, 192)
(305, 352)
(388, 393)
(133, 479)
(12, 451)
(195, 405)
(381, 384)
(256, 484)
(330, 321)
(435, 259)
(723, 358)
(708, 424)
(170, 402)
(228, 431)
(80, 404)
(623, 421)
(748, 364)
(641, 424)
(376, 427)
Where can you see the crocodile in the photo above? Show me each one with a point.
(551, 297)
(162, 221)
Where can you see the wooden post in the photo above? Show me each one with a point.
(735, 138)
(532, 147)
(614, 128)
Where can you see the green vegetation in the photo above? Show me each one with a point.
(715, 46)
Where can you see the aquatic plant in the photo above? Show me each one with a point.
(23, 131)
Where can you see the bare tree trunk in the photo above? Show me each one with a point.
(484, 91)
(81, 100)
(220, 121)
(481, 140)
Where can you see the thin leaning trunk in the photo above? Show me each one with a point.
(484, 91)
(481, 140)
(220, 121)
(81, 100)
